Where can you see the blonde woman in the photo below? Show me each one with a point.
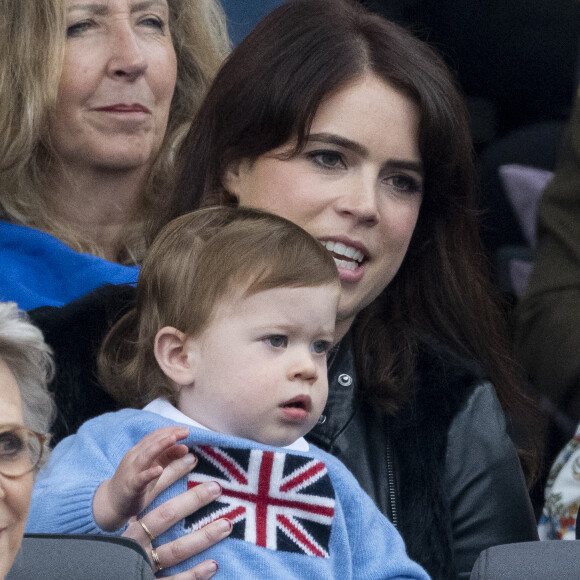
(95, 97)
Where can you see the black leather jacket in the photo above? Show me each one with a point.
(443, 470)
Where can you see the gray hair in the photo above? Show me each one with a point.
(29, 358)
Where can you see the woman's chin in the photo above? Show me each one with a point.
(9, 546)
(111, 154)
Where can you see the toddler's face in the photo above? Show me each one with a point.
(261, 364)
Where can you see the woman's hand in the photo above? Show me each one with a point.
(163, 517)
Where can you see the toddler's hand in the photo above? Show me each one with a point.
(140, 472)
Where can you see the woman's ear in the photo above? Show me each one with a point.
(176, 355)
(233, 177)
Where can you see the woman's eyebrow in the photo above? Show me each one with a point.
(332, 139)
(147, 4)
(101, 8)
(402, 164)
(92, 7)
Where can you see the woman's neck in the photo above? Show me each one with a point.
(342, 327)
(99, 205)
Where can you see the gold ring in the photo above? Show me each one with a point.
(146, 530)
(156, 561)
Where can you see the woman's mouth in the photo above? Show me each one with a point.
(125, 108)
(345, 256)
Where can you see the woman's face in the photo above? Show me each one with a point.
(118, 79)
(357, 186)
(14, 493)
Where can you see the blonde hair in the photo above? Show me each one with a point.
(32, 45)
(193, 264)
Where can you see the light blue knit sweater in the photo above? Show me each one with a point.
(296, 515)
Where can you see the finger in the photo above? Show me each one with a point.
(194, 543)
(144, 478)
(174, 471)
(136, 532)
(165, 461)
(155, 446)
(179, 432)
(151, 468)
(144, 483)
(161, 439)
(202, 571)
(175, 509)
(176, 451)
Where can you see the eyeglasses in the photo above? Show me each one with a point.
(20, 450)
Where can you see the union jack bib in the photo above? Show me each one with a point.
(276, 500)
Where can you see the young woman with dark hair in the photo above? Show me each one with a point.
(297, 122)
(345, 124)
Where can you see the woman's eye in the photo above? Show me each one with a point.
(10, 444)
(153, 22)
(327, 159)
(78, 28)
(405, 183)
(276, 340)
(321, 346)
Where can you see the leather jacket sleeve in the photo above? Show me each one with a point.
(489, 500)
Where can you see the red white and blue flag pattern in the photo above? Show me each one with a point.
(275, 500)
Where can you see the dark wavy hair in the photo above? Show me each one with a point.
(268, 91)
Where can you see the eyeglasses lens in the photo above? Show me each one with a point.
(20, 451)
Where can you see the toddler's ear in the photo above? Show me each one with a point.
(175, 355)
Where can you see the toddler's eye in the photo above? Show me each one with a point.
(276, 340)
(321, 347)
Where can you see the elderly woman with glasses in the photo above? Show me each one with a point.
(26, 412)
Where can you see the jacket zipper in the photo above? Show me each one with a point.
(391, 483)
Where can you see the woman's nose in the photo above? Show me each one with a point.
(359, 200)
(127, 58)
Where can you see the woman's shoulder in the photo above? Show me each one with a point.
(437, 360)
(480, 423)
(444, 381)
